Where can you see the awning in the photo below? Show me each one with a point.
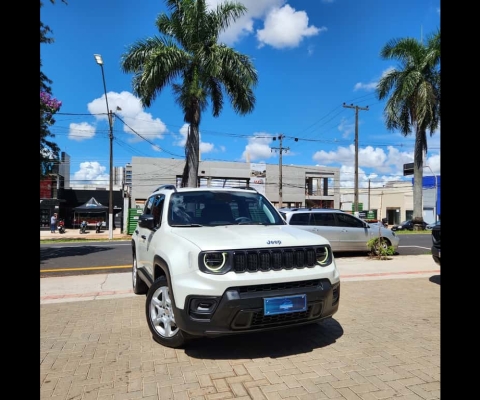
(51, 202)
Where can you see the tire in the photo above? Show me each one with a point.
(380, 243)
(139, 286)
(160, 318)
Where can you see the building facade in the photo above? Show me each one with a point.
(394, 201)
(51, 188)
(300, 186)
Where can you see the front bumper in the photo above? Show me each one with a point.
(436, 254)
(240, 309)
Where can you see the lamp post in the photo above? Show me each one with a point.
(436, 189)
(99, 60)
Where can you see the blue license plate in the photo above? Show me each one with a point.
(284, 305)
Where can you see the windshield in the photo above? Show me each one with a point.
(211, 208)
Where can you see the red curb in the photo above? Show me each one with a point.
(391, 273)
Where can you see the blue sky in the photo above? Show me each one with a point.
(311, 57)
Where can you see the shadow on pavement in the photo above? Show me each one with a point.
(435, 279)
(47, 253)
(277, 343)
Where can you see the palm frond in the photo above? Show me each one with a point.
(214, 90)
(226, 13)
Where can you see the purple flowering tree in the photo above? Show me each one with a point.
(48, 149)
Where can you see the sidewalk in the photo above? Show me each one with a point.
(106, 286)
(88, 235)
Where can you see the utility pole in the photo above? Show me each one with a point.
(368, 195)
(280, 149)
(110, 194)
(356, 108)
(99, 61)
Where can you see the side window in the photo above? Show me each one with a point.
(157, 209)
(323, 219)
(348, 221)
(148, 205)
(300, 219)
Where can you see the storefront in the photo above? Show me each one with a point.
(47, 208)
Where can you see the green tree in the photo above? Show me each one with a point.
(413, 98)
(199, 69)
(48, 107)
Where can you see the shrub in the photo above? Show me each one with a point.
(379, 249)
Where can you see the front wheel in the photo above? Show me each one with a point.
(380, 246)
(160, 317)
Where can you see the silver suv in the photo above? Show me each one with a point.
(344, 231)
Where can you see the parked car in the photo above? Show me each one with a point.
(430, 226)
(345, 232)
(436, 243)
(216, 261)
(407, 226)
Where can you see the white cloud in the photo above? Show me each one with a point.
(371, 85)
(204, 146)
(81, 131)
(91, 173)
(283, 26)
(286, 28)
(434, 163)
(346, 127)
(365, 180)
(183, 136)
(258, 148)
(256, 9)
(389, 162)
(365, 86)
(129, 108)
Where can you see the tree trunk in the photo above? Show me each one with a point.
(193, 155)
(418, 178)
(192, 147)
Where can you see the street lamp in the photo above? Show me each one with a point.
(99, 60)
(436, 189)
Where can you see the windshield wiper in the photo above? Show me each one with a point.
(253, 223)
(186, 226)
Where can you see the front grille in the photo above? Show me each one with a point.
(261, 320)
(278, 259)
(436, 235)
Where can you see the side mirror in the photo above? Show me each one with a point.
(146, 221)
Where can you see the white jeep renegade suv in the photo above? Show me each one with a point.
(215, 261)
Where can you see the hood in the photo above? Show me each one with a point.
(229, 237)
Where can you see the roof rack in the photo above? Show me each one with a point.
(171, 187)
(245, 187)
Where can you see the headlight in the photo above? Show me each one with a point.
(323, 256)
(214, 262)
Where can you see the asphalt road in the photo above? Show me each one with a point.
(59, 259)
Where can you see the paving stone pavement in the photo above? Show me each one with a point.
(383, 343)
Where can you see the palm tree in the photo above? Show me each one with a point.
(188, 57)
(413, 102)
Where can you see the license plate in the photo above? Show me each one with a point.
(284, 305)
